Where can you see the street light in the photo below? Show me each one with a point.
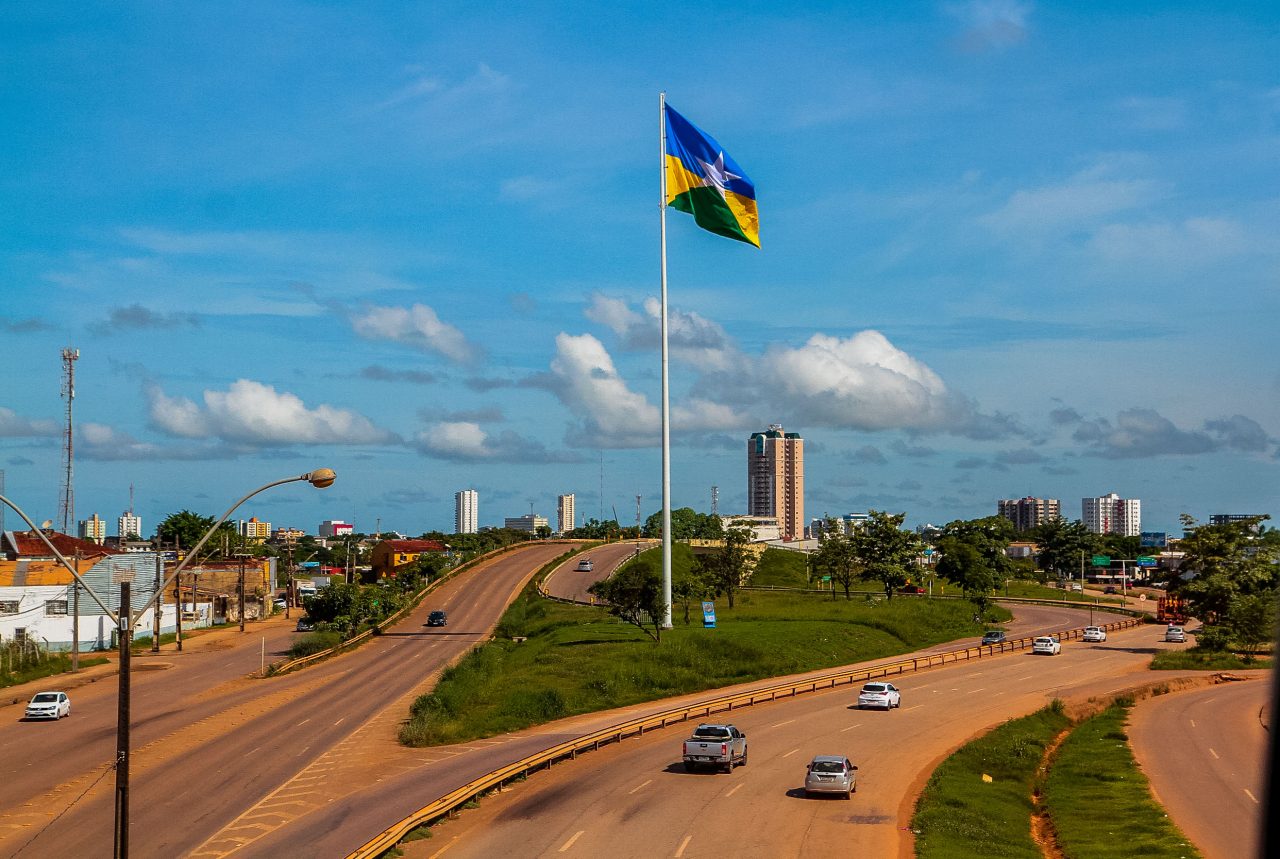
(125, 619)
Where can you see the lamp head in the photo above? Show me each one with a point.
(322, 478)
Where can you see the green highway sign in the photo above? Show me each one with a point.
(826, 578)
(1101, 561)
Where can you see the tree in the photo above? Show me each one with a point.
(835, 556)
(634, 594)
(726, 568)
(686, 524)
(1252, 621)
(1063, 545)
(186, 528)
(963, 564)
(1225, 564)
(691, 586)
(885, 551)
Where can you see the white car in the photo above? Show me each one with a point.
(1175, 633)
(1094, 633)
(884, 695)
(1047, 645)
(49, 705)
(585, 565)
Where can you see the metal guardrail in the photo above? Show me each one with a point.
(569, 749)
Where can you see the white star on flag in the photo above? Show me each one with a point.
(716, 176)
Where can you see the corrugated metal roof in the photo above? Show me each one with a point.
(27, 544)
(17, 574)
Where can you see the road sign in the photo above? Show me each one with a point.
(709, 615)
(826, 578)
(1146, 561)
(1101, 561)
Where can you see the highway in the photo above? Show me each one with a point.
(1205, 754)
(634, 799)
(210, 744)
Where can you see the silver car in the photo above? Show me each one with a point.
(884, 695)
(1175, 633)
(830, 774)
(49, 705)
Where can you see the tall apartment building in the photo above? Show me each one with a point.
(775, 479)
(1111, 514)
(564, 513)
(466, 511)
(1027, 513)
(128, 525)
(336, 528)
(94, 529)
(255, 531)
(530, 523)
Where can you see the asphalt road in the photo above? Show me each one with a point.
(568, 582)
(208, 747)
(1205, 754)
(634, 799)
(409, 778)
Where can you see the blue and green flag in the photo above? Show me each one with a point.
(705, 182)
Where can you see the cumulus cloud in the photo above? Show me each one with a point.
(417, 326)
(467, 441)
(915, 451)
(869, 455)
(252, 413)
(103, 443)
(135, 317)
(1240, 433)
(1138, 433)
(24, 326)
(690, 336)
(13, 425)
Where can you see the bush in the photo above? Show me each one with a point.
(314, 642)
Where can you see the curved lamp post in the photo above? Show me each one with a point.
(321, 478)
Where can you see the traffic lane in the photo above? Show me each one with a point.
(1204, 753)
(163, 700)
(634, 799)
(1033, 620)
(377, 806)
(568, 582)
(350, 687)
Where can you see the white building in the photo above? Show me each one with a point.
(466, 511)
(530, 523)
(94, 529)
(564, 513)
(1111, 514)
(254, 530)
(335, 528)
(763, 528)
(128, 525)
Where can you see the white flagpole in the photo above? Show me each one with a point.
(666, 403)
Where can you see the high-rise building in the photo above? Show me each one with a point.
(466, 511)
(255, 531)
(94, 529)
(128, 525)
(1111, 514)
(530, 523)
(1027, 513)
(335, 528)
(564, 513)
(775, 479)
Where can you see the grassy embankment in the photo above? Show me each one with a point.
(1099, 800)
(578, 659)
(49, 666)
(1205, 660)
(1093, 795)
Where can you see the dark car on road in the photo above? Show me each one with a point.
(304, 625)
(993, 636)
(437, 618)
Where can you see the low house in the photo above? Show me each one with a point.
(389, 556)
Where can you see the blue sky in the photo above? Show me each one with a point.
(1007, 248)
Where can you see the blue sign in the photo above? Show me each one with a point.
(309, 564)
(709, 615)
(1154, 539)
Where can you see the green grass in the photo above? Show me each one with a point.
(1028, 589)
(960, 816)
(314, 642)
(779, 568)
(1099, 800)
(1204, 660)
(578, 659)
(51, 666)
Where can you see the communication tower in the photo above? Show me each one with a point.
(638, 497)
(715, 500)
(67, 506)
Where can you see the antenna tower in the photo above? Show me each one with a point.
(638, 497)
(131, 498)
(715, 500)
(67, 506)
(1, 505)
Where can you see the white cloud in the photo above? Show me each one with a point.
(1082, 200)
(12, 425)
(1139, 433)
(467, 441)
(1174, 246)
(990, 24)
(253, 413)
(690, 336)
(417, 326)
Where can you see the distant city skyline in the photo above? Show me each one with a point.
(1007, 249)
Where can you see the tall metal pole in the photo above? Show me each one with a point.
(666, 401)
(242, 593)
(155, 624)
(75, 626)
(122, 730)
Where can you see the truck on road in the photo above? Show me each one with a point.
(1171, 610)
(719, 746)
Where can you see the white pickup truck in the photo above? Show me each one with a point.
(720, 746)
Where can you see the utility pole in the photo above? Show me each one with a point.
(242, 592)
(122, 730)
(177, 598)
(75, 619)
(155, 624)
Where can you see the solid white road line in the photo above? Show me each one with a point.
(1250, 795)
(850, 728)
(639, 786)
(440, 852)
(737, 787)
(780, 724)
(915, 707)
(790, 753)
(575, 837)
(683, 844)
